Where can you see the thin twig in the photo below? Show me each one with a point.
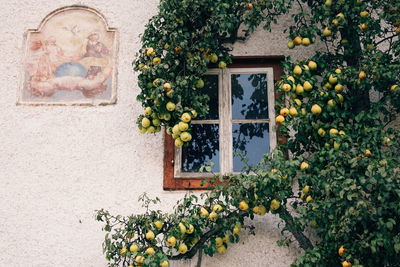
(385, 39)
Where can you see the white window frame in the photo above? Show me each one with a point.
(225, 120)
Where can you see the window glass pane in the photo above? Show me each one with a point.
(249, 96)
(203, 148)
(211, 89)
(252, 140)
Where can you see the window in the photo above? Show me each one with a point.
(240, 119)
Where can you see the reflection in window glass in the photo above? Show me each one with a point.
(203, 148)
(211, 89)
(252, 140)
(249, 96)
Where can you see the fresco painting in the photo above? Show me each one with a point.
(70, 59)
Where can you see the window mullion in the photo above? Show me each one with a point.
(226, 123)
(222, 129)
(271, 109)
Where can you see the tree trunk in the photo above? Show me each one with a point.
(352, 54)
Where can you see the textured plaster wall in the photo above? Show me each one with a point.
(59, 164)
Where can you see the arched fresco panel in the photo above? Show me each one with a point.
(70, 60)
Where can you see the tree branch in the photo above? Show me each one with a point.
(198, 245)
(304, 241)
(203, 239)
(199, 257)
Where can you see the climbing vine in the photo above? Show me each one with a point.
(336, 111)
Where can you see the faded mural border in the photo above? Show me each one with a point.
(94, 102)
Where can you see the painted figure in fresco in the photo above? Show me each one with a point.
(38, 65)
(96, 51)
(43, 60)
(55, 53)
(39, 69)
(96, 58)
(94, 47)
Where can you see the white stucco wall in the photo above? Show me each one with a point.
(58, 164)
